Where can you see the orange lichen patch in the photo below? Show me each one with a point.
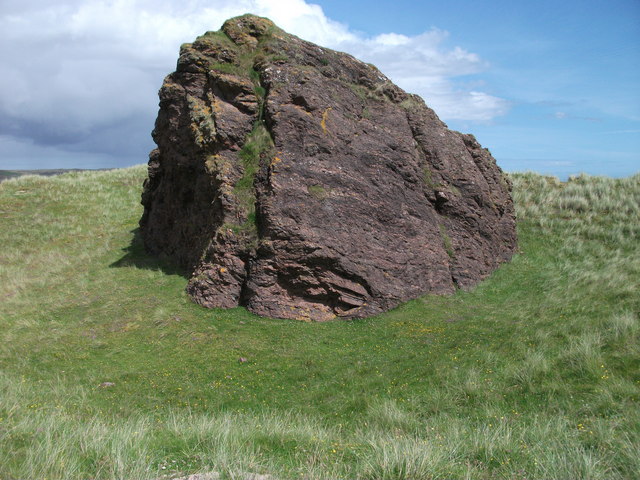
(323, 123)
(301, 109)
(274, 163)
(216, 106)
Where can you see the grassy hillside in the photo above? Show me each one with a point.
(534, 374)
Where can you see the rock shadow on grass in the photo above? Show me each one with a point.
(135, 255)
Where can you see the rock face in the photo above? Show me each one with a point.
(301, 183)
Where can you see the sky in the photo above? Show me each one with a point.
(547, 86)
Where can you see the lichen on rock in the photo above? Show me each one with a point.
(302, 183)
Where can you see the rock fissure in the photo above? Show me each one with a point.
(301, 183)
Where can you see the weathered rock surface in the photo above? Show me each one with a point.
(301, 183)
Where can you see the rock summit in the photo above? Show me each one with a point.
(301, 183)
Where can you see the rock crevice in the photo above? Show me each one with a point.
(301, 183)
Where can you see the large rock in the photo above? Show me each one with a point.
(301, 183)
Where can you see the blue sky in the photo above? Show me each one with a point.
(551, 87)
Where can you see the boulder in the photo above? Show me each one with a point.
(301, 183)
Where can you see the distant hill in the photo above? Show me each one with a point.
(7, 174)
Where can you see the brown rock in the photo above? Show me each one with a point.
(301, 183)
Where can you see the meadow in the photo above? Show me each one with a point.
(108, 371)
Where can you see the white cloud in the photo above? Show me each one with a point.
(73, 68)
(422, 65)
(621, 131)
(392, 39)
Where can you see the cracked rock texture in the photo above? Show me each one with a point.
(301, 183)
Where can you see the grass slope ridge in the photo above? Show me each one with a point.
(7, 174)
(534, 374)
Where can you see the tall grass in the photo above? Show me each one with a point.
(533, 374)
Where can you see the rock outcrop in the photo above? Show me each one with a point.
(301, 183)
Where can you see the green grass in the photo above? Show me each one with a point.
(533, 374)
